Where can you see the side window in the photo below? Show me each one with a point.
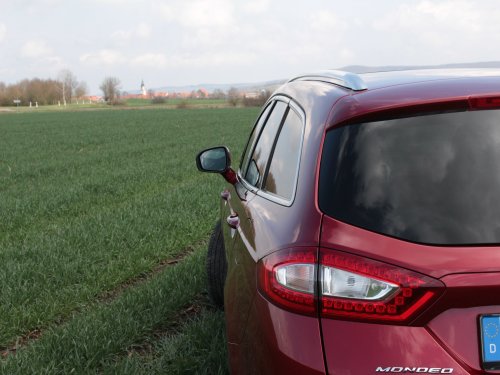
(253, 138)
(260, 156)
(284, 167)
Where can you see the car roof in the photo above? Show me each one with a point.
(373, 96)
(376, 80)
(381, 79)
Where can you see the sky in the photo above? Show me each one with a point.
(184, 42)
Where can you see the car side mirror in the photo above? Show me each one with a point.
(216, 160)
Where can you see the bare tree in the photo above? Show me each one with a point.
(68, 84)
(233, 96)
(34, 90)
(218, 94)
(81, 90)
(110, 88)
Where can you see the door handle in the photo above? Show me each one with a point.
(233, 221)
(225, 195)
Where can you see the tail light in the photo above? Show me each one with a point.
(485, 102)
(288, 279)
(345, 286)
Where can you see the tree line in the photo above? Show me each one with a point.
(65, 89)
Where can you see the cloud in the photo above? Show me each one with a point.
(103, 57)
(143, 30)
(199, 13)
(3, 32)
(207, 60)
(461, 16)
(327, 22)
(256, 6)
(35, 49)
(446, 31)
(151, 60)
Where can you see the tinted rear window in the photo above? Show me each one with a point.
(431, 179)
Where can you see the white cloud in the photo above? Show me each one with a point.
(103, 57)
(327, 22)
(143, 30)
(199, 13)
(3, 32)
(150, 60)
(428, 32)
(207, 60)
(256, 6)
(35, 49)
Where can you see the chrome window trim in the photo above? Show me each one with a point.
(270, 196)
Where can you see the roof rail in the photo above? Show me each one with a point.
(341, 78)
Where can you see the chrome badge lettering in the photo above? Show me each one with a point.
(415, 370)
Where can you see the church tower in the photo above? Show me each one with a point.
(143, 88)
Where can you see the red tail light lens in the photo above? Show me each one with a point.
(489, 102)
(288, 279)
(345, 286)
(379, 291)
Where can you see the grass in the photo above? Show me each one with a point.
(135, 103)
(85, 343)
(194, 349)
(91, 200)
(172, 103)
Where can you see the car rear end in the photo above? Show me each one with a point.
(408, 275)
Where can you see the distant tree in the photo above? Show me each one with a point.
(257, 101)
(158, 100)
(218, 94)
(151, 93)
(36, 90)
(233, 96)
(201, 94)
(69, 83)
(110, 88)
(81, 90)
(3, 88)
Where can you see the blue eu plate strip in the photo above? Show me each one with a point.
(490, 326)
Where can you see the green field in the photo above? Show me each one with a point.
(176, 103)
(103, 231)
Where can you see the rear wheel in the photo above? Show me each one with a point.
(216, 266)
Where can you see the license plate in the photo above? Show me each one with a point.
(490, 341)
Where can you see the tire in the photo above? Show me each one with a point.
(216, 267)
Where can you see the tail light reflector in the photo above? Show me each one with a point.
(345, 286)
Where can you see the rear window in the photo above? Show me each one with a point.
(431, 179)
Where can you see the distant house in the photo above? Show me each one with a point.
(94, 98)
(251, 95)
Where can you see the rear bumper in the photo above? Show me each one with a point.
(364, 348)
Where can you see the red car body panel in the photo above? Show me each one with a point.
(418, 97)
(265, 339)
(279, 342)
(446, 334)
(435, 261)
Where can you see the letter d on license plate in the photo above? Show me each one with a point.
(490, 341)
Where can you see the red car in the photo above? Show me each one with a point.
(360, 233)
